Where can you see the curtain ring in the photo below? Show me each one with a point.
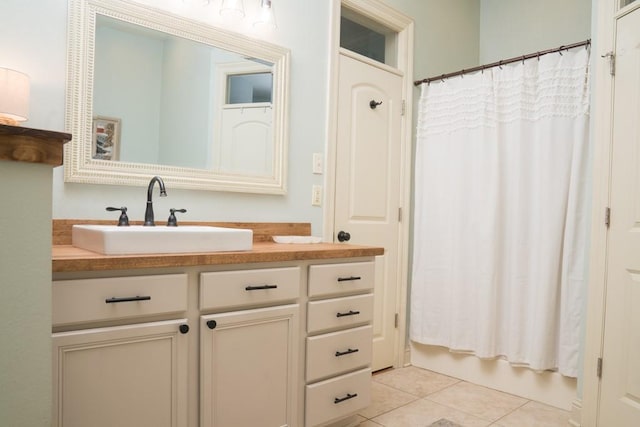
(462, 74)
(560, 50)
(442, 78)
(538, 55)
(523, 58)
(500, 65)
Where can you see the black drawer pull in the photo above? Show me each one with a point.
(346, 279)
(350, 313)
(347, 397)
(127, 299)
(349, 351)
(260, 287)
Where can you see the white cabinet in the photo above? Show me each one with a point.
(249, 357)
(132, 375)
(126, 376)
(339, 341)
(249, 365)
(268, 345)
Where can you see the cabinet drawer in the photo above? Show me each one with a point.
(336, 279)
(339, 313)
(338, 352)
(224, 289)
(338, 397)
(90, 300)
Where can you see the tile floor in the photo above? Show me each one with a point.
(411, 396)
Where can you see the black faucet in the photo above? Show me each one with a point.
(148, 213)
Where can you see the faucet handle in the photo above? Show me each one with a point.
(172, 221)
(124, 219)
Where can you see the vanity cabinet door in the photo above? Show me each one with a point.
(249, 368)
(125, 376)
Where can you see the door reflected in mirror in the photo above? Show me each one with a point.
(204, 107)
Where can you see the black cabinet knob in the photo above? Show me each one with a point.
(343, 236)
(184, 329)
(211, 324)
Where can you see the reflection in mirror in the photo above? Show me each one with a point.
(165, 95)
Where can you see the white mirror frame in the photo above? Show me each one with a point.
(80, 167)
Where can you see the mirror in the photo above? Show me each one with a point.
(152, 93)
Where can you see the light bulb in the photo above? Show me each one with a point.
(232, 7)
(265, 17)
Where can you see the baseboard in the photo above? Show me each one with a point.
(550, 388)
(576, 413)
(407, 356)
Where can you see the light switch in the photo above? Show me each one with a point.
(316, 195)
(317, 163)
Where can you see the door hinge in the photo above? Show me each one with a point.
(612, 62)
(396, 320)
(404, 107)
(399, 214)
(599, 368)
(607, 216)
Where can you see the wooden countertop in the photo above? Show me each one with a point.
(22, 144)
(67, 258)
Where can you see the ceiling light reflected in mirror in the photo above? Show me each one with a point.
(264, 16)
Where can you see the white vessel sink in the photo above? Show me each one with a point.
(138, 239)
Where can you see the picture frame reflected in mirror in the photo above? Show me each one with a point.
(106, 138)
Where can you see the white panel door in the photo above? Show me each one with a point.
(246, 141)
(249, 367)
(125, 376)
(368, 184)
(620, 387)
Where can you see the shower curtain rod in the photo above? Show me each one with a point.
(503, 62)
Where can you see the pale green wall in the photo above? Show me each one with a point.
(25, 294)
(510, 28)
(446, 34)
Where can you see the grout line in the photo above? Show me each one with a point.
(505, 415)
(392, 409)
(475, 415)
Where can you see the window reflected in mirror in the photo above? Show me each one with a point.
(249, 88)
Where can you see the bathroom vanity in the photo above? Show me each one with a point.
(279, 335)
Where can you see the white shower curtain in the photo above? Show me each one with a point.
(501, 212)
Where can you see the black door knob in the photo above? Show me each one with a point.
(343, 236)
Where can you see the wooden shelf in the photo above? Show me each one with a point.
(21, 144)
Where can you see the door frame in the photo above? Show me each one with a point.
(403, 25)
(602, 114)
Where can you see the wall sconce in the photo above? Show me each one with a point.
(265, 17)
(202, 2)
(14, 97)
(232, 7)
